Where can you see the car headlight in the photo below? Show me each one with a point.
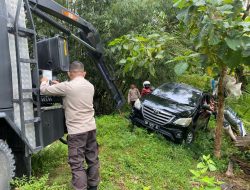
(183, 122)
(137, 104)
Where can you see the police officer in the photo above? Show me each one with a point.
(77, 96)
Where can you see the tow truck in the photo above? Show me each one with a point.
(30, 121)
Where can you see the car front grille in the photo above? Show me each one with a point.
(156, 116)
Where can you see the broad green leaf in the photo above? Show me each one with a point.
(224, 8)
(152, 71)
(204, 170)
(200, 165)
(180, 68)
(226, 24)
(122, 61)
(208, 180)
(213, 39)
(228, 1)
(155, 35)
(125, 46)
(183, 15)
(180, 4)
(234, 44)
(206, 157)
(247, 19)
(147, 188)
(136, 47)
(245, 25)
(113, 49)
(141, 39)
(246, 53)
(212, 167)
(231, 58)
(195, 173)
(159, 56)
(199, 2)
(211, 162)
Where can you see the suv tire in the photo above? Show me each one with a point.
(190, 136)
(7, 165)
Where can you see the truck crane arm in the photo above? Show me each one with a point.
(88, 36)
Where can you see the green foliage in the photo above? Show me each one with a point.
(199, 81)
(217, 30)
(139, 53)
(115, 18)
(36, 183)
(200, 176)
(50, 157)
(220, 36)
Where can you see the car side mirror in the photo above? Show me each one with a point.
(205, 107)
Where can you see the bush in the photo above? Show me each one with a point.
(199, 81)
(36, 184)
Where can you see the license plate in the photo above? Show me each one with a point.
(151, 124)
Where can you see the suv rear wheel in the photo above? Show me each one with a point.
(7, 165)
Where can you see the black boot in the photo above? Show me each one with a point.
(92, 188)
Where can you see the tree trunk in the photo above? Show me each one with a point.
(220, 115)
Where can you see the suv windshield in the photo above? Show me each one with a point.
(178, 93)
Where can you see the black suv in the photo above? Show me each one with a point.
(175, 110)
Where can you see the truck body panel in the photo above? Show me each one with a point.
(5, 67)
(11, 6)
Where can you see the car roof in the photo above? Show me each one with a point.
(181, 85)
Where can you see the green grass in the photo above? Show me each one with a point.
(131, 160)
(137, 160)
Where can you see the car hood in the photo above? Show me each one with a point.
(175, 108)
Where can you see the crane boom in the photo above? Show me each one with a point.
(88, 36)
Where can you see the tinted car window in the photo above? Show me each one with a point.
(178, 93)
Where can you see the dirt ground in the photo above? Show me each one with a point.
(239, 181)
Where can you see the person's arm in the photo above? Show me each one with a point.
(59, 89)
(129, 96)
(142, 92)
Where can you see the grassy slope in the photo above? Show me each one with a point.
(128, 160)
(131, 161)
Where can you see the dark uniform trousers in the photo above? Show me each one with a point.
(83, 147)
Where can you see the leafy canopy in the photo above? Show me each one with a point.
(217, 30)
(139, 53)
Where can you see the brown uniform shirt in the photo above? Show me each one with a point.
(77, 101)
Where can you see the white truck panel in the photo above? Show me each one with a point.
(25, 69)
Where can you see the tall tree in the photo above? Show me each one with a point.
(222, 38)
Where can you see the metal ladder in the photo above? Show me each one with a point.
(27, 33)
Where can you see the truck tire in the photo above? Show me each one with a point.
(7, 165)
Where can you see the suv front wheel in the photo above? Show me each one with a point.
(190, 136)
